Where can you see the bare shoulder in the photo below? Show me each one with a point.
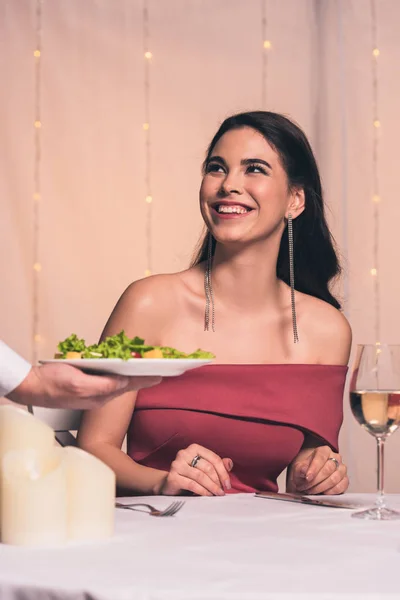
(146, 293)
(327, 330)
(144, 306)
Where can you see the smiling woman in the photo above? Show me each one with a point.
(260, 281)
(251, 184)
(284, 157)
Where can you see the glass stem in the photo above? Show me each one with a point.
(380, 500)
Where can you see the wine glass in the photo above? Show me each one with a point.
(375, 403)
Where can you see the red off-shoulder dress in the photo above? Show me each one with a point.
(257, 415)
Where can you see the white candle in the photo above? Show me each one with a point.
(19, 430)
(50, 494)
(91, 496)
(34, 498)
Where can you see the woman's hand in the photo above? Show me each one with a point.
(209, 476)
(317, 471)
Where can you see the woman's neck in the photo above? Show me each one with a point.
(245, 278)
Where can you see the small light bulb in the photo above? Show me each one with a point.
(147, 272)
(148, 55)
(146, 126)
(377, 343)
(374, 272)
(376, 198)
(37, 267)
(267, 44)
(36, 54)
(36, 196)
(376, 52)
(149, 199)
(377, 123)
(37, 337)
(37, 124)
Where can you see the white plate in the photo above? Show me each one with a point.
(164, 367)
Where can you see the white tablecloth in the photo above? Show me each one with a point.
(233, 548)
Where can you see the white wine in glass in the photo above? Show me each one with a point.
(375, 403)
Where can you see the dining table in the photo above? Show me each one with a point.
(235, 547)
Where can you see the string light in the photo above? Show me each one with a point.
(37, 267)
(266, 46)
(376, 198)
(147, 141)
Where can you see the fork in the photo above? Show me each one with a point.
(171, 510)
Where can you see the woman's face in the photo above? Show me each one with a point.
(244, 195)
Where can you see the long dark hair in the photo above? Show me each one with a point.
(315, 259)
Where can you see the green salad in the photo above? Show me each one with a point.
(121, 346)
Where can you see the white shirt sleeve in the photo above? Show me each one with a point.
(13, 369)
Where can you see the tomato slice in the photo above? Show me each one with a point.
(136, 355)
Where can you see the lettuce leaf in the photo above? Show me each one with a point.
(117, 346)
(174, 353)
(199, 353)
(71, 344)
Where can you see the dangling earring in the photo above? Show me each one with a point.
(291, 278)
(208, 289)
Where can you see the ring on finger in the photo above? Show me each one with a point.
(337, 463)
(195, 460)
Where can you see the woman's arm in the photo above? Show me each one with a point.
(317, 469)
(103, 429)
(102, 432)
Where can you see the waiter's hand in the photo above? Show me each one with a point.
(64, 386)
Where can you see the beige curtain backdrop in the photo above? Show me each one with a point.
(207, 64)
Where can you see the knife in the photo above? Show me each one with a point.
(307, 500)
